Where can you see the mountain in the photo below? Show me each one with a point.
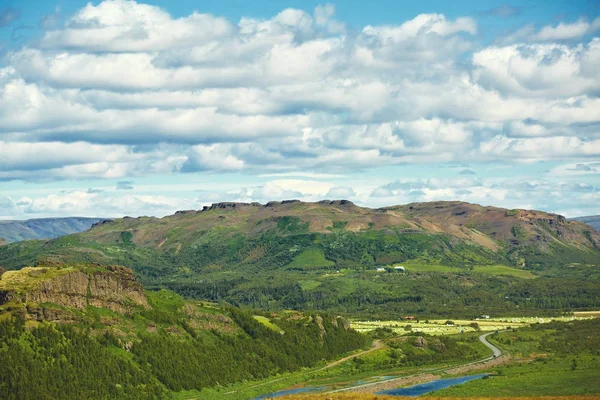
(591, 220)
(44, 228)
(323, 255)
(89, 331)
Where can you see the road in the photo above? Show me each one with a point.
(376, 346)
(429, 375)
(497, 352)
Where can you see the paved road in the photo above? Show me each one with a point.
(483, 339)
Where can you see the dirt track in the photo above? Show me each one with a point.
(376, 346)
(495, 359)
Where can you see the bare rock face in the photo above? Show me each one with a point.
(420, 342)
(319, 321)
(110, 287)
(345, 323)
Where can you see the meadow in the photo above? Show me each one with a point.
(417, 266)
(437, 327)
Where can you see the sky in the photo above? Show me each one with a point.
(119, 107)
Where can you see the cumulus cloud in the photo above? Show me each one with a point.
(340, 192)
(123, 89)
(564, 31)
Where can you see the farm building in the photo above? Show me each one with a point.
(380, 269)
(399, 268)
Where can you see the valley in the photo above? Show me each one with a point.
(242, 300)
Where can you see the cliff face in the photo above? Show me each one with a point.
(110, 287)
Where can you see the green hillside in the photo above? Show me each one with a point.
(142, 345)
(324, 256)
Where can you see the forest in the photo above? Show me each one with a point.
(152, 353)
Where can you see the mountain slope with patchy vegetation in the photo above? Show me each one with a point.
(324, 255)
(591, 220)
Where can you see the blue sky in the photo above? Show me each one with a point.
(144, 108)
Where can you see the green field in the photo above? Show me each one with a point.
(415, 266)
(310, 259)
(555, 359)
(458, 326)
(267, 322)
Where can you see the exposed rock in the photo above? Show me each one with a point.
(50, 314)
(420, 342)
(230, 206)
(110, 287)
(438, 345)
(336, 203)
(184, 212)
(345, 323)
(319, 321)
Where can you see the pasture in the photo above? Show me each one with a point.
(417, 266)
(458, 326)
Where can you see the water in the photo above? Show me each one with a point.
(287, 392)
(418, 390)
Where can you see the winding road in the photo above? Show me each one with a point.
(497, 352)
(428, 375)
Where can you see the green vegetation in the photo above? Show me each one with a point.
(560, 359)
(176, 345)
(310, 259)
(267, 322)
(323, 256)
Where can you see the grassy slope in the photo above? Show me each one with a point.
(323, 255)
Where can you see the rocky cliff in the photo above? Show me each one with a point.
(77, 287)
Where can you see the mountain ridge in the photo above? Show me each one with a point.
(591, 220)
(43, 228)
(328, 256)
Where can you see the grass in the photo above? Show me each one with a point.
(504, 270)
(267, 322)
(310, 259)
(308, 284)
(415, 266)
(438, 327)
(540, 378)
(30, 277)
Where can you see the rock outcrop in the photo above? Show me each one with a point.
(111, 287)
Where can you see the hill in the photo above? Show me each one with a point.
(323, 255)
(44, 228)
(90, 331)
(591, 220)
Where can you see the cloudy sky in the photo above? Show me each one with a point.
(143, 108)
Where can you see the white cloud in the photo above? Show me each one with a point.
(564, 31)
(340, 192)
(125, 90)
